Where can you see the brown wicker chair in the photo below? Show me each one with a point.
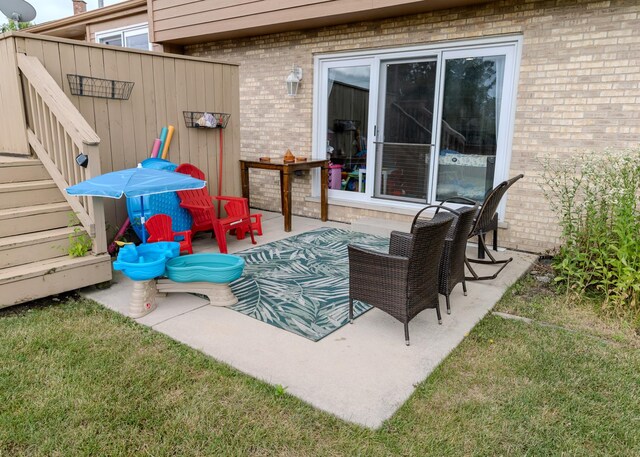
(487, 221)
(453, 257)
(401, 283)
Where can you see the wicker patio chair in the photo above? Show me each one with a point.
(452, 261)
(400, 283)
(487, 221)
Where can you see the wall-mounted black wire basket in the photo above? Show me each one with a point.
(205, 120)
(97, 87)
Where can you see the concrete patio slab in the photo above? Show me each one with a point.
(361, 373)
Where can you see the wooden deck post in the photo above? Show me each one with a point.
(96, 205)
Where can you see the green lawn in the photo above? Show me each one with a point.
(76, 379)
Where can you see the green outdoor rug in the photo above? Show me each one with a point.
(301, 284)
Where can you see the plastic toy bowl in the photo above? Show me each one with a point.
(145, 267)
(169, 249)
(218, 268)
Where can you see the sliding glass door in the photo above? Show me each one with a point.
(469, 126)
(346, 124)
(414, 126)
(406, 125)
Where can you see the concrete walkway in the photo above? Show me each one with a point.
(361, 373)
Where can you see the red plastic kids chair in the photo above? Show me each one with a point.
(159, 228)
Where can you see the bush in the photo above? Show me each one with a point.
(596, 198)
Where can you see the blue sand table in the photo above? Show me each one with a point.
(146, 261)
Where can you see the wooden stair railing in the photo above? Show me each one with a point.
(57, 133)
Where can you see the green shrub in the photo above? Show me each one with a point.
(79, 242)
(596, 198)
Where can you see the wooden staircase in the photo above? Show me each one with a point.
(35, 237)
(42, 124)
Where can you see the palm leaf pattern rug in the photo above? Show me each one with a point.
(301, 284)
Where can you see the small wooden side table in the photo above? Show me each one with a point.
(286, 170)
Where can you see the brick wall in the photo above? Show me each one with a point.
(578, 91)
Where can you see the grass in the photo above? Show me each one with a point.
(81, 380)
(543, 302)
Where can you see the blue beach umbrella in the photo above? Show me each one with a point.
(135, 182)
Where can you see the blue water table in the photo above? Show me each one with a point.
(205, 274)
(216, 268)
(146, 261)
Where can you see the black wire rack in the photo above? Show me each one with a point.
(205, 119)
(89, 86)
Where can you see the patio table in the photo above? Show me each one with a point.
(286, 170)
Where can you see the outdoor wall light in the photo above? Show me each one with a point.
(82, 160)
(293, 81)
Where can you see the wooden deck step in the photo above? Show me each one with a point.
(14, 169)
(35, 237)
(35, 218)
(31, 247)
(40, 279)
(20, 194)
(7, 157)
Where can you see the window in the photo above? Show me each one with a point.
(417, 125)
(136, 37)
(114, 40)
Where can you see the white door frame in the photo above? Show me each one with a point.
(512, 47)
(505, 136)
(435, 57)
(322, 125)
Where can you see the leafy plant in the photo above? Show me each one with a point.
(596, 198)
(279, 390)
(79, 242)
(13, 26)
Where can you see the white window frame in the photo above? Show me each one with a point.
(124, 32)
(322, 127)
(376, 56)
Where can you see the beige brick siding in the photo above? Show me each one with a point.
(578, 91)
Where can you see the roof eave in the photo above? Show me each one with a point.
(87, 17)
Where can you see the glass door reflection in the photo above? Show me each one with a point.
(472, 100)
(348, 90)
(403, 151)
